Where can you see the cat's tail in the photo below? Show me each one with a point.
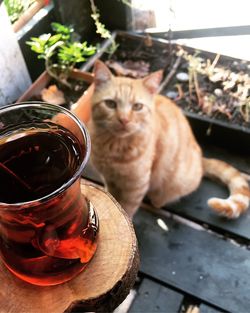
(239, 198)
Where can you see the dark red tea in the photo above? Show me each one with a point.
(46, 236)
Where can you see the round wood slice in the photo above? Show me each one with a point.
(103, 284)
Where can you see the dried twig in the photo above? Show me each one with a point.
(197, 90)
(215, 61)
(170, 74)
(180, 92)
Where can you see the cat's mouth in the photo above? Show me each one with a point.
(124, 130)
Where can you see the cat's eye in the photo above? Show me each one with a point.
(110, 103)
(137, 106)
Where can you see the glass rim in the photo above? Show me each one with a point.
(78, 171)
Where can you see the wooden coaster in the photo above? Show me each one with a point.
(105, 282)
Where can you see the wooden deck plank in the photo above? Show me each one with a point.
(153, 297)
(195, 206)
(194, 261)
(208, 309)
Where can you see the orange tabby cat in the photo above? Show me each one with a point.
(142, 144)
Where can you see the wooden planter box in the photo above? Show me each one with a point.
(156, 53)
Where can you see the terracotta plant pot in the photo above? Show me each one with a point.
(81, 108)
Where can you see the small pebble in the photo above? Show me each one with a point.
(172, 94)
(162, 224)
(218, 92)
(182, 76)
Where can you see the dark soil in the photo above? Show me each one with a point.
(70, 95)
(218, 99)
(139, 48)
(223, 104)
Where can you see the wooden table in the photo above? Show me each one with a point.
(190, 257)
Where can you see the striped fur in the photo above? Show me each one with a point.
(151, 151)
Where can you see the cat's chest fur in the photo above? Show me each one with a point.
(111, 152)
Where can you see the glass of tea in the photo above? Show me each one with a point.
(48, 228)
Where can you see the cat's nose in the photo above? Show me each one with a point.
(123, 120)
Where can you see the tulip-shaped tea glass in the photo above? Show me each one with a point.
(48, 228)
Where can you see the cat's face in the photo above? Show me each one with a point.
(121, 105)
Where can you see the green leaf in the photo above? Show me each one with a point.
(61, 50)
(53, 39)
(65, 31)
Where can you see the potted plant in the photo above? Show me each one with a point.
(61, 52)
(61, 81)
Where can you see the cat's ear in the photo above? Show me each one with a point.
(101, 73)
(152, 81)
